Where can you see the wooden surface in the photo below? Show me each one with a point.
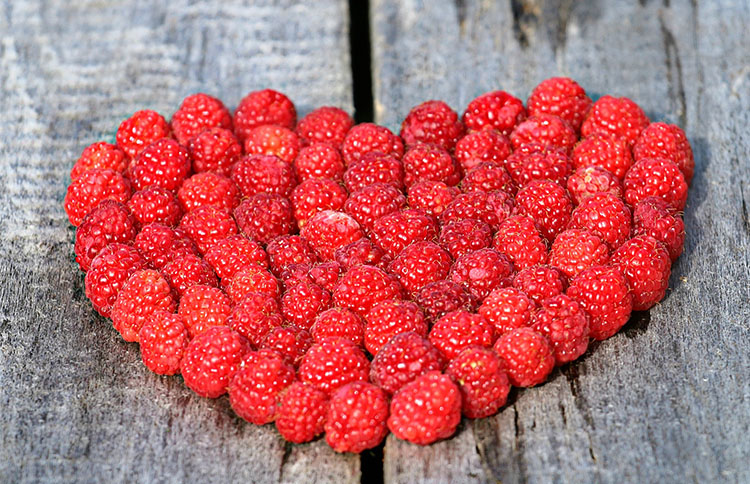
(667, 400)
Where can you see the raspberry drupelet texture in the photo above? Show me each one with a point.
(566, 325)
(520, 240)
(211, 359)
(109, 222)
(575, 250)
(656, 177)
(332, 363)
(605, 216)
(263, 107)
(208, 189)
(356, 418)
(420, 264)
(507, 308)
(265, 216)
(302, 302)
(92, 187)
(197, 113)
(496, 109)
(373, 202)
(255, 316)
(328, 230)
(590, 180)
(208, 225)
(402, 359)
(302, 412)
(390, 317)
(230, 255)
(540, 282)
(473, 205)
(262, 173)
(432, 122)
(251, 278)
(163, 339)
(604, 294)
(362, 251)
(482, 271)
(458, 330)
(289, 249)
(431, 196)
(548, 204)
(155, 205)
(536, 161)
(186, 271)
(618, 116)
(526, 356)
(487, 145)
(545, 129)
(340, 323)
(662, 140)
(316, 195)
(646, 265)
(216, 150)
(488, 177)
(366, 137)
(289, 341)
(140, 130)
(362, 287)
(483, 383)
(254, 389)
(144, 293)
(429, 162)
(463, 236)
(326, 124)
(560, 96)
(163, 163)
(374, 167)
(100, 155)
(442, 297)
(604, 150)
(397, 230)
(271, 139)
(108, 272)
(655, 217)
(203, 307)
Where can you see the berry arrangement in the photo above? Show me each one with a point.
(345, 280)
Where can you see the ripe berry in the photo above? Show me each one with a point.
(143, 294)
(230, 255)
(496, 109)
(263, 107)
(372, 202)
(289, 249)
(275, 140)
(526, 356)
(374, 167)
(575, 250)
(208, 189)
(397, 230)
(654, 217)
(263, 174)
(545, 129)
(566, 325)
(140, 130)
(289, 341)
(187, 271)
(163, 339)
(163, 163)
(482, 271)
(432, 122)
(390, 317)
(603, 215)
(519, 239)
(590, 180)
(603, 292)
(464, 236)
(211, 359)
(656, 177)
(535, 161)
(618, 116)
(100, 155)
(302, 302)
(301, 413)
(197, 113)
(333, 363)
(442, 297)
(472, 205)
(502, 204)
(487, 177)
(109, 222)
(91, 187)
(319, 160)
(255, 316)
(460, 329)
(507, 308)
(316, 195)
(264, 216)
(548, 204)
(155, 205)
(605, 151)
(541, 282)
(208, 225)
(428, 162)
(362, 287)
(661, 140)
(202, 307)
(483, 383)
(108, 272)
(328, 230)
(420, 264)
(356, 418)
(366, 137)
(215, 150)
(340, 323)
(431, 196)
(252, 279)
(326, 124)
(405, 357)
(254, 389)
(486, 145)
(646, 265)
(560, 96)
(362, 251)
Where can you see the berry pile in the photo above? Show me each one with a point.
(342, 279)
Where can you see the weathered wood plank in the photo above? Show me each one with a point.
(77, 404)
(666, 400)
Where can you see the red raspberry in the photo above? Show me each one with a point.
(100, 155)
(289, 249)
(328, 230)
(362, 287)
(361, 251)
(339, 323)
(208, 189)
(326, 274)
(254, 391)
(426, 410)
(519, 239)
(211, 359)
(187, 271)
(289, 341)
(263, 107)
(91, 187)
(316, 195)
(302, 302)
(372, 202)
(560, 96)
(420, 264)
(472, 205)
(302, 412)
(590, 180)
(603, 215)
(356, 418)
(428, 162)
(483, 383)
(548, 204)
(275, 140)
(526, 356)
(108, 272)
(566, 325)
(534, 161)
(507, 308)
(605, 151)
(155, 204)
(497, 109)
(656, 177)
(208, 225)
(163, 163)
(140, 130)
(367, 137)
(661, 140)
(108, 222)
(545, 129)
(264, 216)
(575, 250)
(215, 150)
(460, 329)
(432, 122)
(395, 231)
(332, 363)
(255, 316)
(235, 252)
(252, 279)
(442, 297)
(160, 245)
(431, 196)
(655, 217)
(163, 340)
(541, 282)
(374, 167)
(603, 292)
(263, 174)
(486, 145)
(202, 307)
(143, 294)
(502, 203)
(646, 265)
(488, 177)
(319, 160)
(618, 116)
(482, 271)
(390, 317)
(464, 236)
(405, 357)
(197, 113)
(326, 124)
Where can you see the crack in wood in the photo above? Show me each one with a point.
(525, 18)
(673, 66)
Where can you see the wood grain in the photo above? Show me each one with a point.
(666, 400)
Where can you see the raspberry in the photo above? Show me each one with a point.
(661, 140)
(255, 316)
(486, 145)
(458, 330)
(656, 177)
(255, 388)
(519, 239)
(464, 236)
(211, 359)
(374, 167)
(502, 204)
(431, 196)
(208, 189)
(472, 205)
(487, 177)
(432, 122)
(497, 109)
(328, 230)
(405, 357)
(326, 274)
(332, 363)
(483, 383)
(367, 137)
(316, 195)
(560, 96)
(361, 251)
(603, 292)
(541, 282)
(362, 287)
(100, 155)
(197, 113)
(143, 294)
(302, 302)
(275, 140)
(264, 216)
(235, 252)
(372, 202)
(590, 180)
(545, 129)
(325, 124)
(442, 297)
(289, 341)
(263, 107)
(390, 317)
(420, 264)
(575, 250)
(526, 356)
(426, 409)
(202, 307)
(534, 161)
(263, 174)
(91, 187)
(427, 162)
(482, 271)
(140, 130)
(187, 271)
(163, 340)
(619, 116)
(289, 249)
(654, 217)
(395, 231)
(356, 418)
(603, 215)
(252, 278)
(108, 272)
(605, 151)
(216, 150)
(302, 412)
(566, 325)
(208, 225)
(646, 265)
(507, 308)
(339, 323)
(548, 204)
(155, 204)
(108, 222)
(319, 160)
(163, 163)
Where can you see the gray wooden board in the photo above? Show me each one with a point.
(77, 405)
(667, 399)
